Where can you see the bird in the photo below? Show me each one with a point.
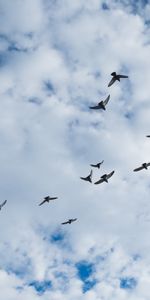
(104, 177)
(88, 178)
(69, 221)
(148, 136)
(143, 166)
(116, 77)
(101, 104)
(3, 203)
(47, 199)
(97, 165)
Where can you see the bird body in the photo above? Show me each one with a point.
(116, 77)
(69, 221)
(143, 166)
(101, 104)
(47, 199)
(97, 165)
(88, 178)
(104, 178)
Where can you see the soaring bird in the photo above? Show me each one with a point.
(88, 178)
(97, 165)
(101, 104)
(116, 77)
(104, 177)
(143, 166)
(47, 199)
(69, 221)
(3, 203)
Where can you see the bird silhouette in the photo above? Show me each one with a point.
(148, 136)
(101, 104)
(3, 203)
(97, 165)
(69, 221)
(88, 178)
(143, 166)
(104, 178)
(116, 77)
(47, 199)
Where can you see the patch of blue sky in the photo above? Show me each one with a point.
(57, 237)
(105, 6)
(88, 285)
(84, 270)
(48, 86)
(35, 100)
(41, 286)
(128, 283)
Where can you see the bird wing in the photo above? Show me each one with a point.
(106, 100)
(64, 223)
(123, 76)
(112, 81)
(148, 136)
(138, 169)
(53, 198)
(93, 165)
(94, 107)
(99, 181)
(43, 202)
(110, 174)
(3, 203)
(73, 220)
(148, 164)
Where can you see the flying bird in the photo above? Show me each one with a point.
(69, 221)
(3, 203)
(101, 104)
(116, 77)
(143, 166)
(88, 178)
(97, 165)
(148, 136)
(47, 199)
(104, 177)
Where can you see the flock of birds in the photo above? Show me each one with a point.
(104, 178)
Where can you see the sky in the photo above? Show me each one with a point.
(56, 60)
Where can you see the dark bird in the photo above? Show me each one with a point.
(148, 136)
(104, 177)
(1, 205)
(116, 77)
(143, 166)
(97, 165)
(69, 221)
(101, 105)
(47, 199)
(88, 178)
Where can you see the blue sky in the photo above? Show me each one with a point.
(56, 58)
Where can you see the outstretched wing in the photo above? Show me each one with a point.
(43, 202)
(148, 164)
(138, 169)
(93, 165)
(53, 198)
(94, 107)
(73, 220)
(123, 76)
(111, 81)
(64, 223)
(110, 174)
(99, 181)
(3, 204)
(148, 136)
(106, 100)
